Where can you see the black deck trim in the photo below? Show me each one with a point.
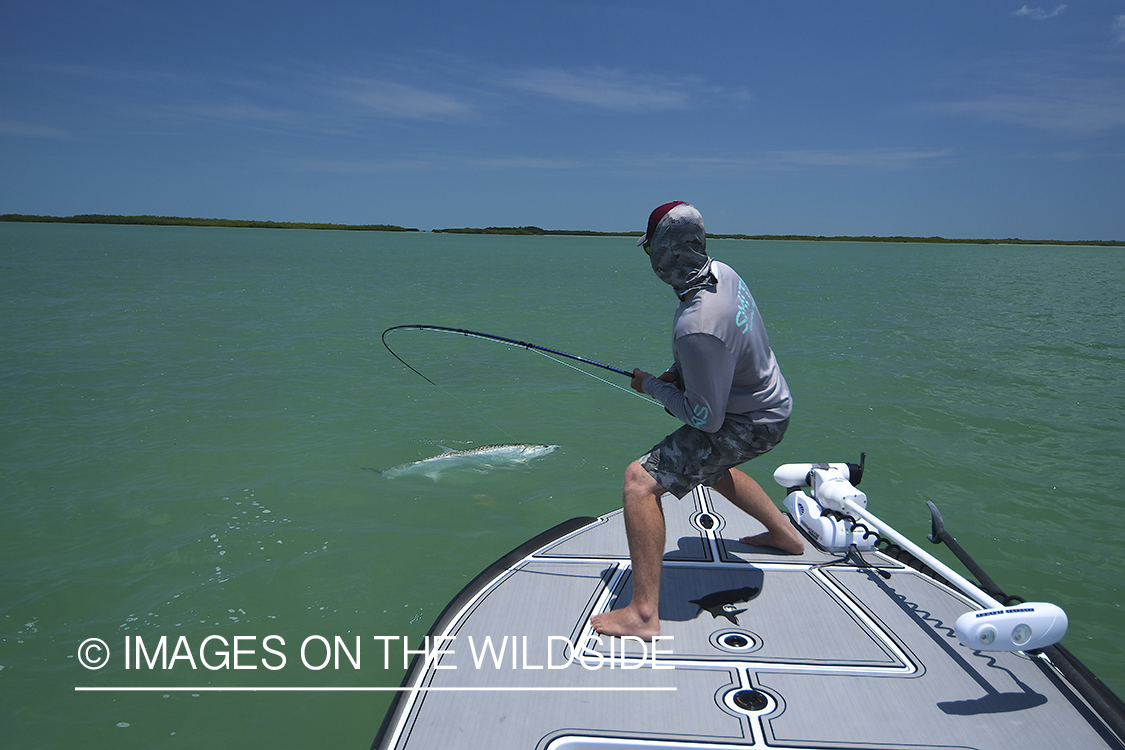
(1106, 704)
(472, 589)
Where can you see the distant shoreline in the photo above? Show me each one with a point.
(178, 221)
(532, 231)
(527, 231)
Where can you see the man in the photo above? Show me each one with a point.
(726, 387)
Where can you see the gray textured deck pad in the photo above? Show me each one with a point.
(850, 659)
(786, 619)
(684, 539)
(522, 606)
(495, 719)
(737, 525)
(966, 699)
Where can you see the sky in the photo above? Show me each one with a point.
(960, 118)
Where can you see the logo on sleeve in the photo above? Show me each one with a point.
(744, 318)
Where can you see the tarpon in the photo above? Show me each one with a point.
(483, 458)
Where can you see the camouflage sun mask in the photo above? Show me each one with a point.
(678, 250)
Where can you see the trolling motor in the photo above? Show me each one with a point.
(828, 517)
(823, 515)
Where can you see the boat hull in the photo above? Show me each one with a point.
(757, 649)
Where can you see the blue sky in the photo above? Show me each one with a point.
(972, 118)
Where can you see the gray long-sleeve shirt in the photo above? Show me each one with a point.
(722, 356)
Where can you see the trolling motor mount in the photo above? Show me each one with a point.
(823, 515)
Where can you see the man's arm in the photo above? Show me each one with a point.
(708, 370)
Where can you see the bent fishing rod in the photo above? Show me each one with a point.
(491, 337)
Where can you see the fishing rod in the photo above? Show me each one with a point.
(491, 337)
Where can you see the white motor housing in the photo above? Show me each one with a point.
(834, 534)
(1023, 627)
(832, 490)
(833, 485)
(798, 475)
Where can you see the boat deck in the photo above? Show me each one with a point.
(766, 650)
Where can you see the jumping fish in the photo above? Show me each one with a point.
(483, 458)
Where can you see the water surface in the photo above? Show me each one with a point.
(187, 414)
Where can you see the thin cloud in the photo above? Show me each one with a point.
(882, 159)
(295, 99)
(603, 88)
(1119, 29)
(33, 130)
(239, 113)
(874, 158)
(433, 162)
(1057, 102)
(528, 162)
(1038, 14)
(355, 166)
(108, 76)
(886, 159)
(400, 101)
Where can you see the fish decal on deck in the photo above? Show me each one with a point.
(483, 458)
(722, 603)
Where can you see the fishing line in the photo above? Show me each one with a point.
(469, 407)
(491, 337)
(595, 377)
(543, 350)
(443, 389)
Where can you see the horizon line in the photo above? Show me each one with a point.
(151, 220)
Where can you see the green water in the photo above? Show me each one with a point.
(187, 414)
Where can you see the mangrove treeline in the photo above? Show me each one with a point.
(522, 231)
(179, 221)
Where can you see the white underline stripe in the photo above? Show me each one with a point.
(360, 689)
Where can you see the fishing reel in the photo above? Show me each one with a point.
(824, 514)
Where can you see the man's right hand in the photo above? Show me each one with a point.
(639, 376)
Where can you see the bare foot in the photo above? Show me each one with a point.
(626, 622)
(793, 545)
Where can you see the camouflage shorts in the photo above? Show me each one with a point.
(689, 457)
